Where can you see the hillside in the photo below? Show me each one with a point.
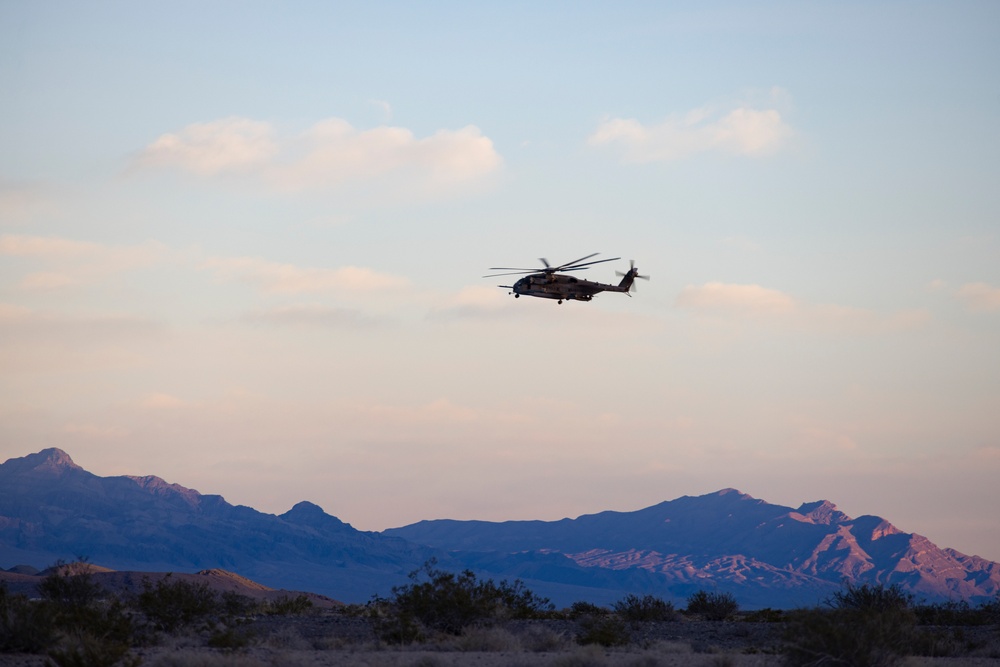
(732, 541)
(767, 555)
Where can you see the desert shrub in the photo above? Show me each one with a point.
(580, 608)
(169, 604)
(871, 597)
(959, 613)
(646, 608)
(233, 604)
(85, 650)
(488, 640)
(71, 586)
(586, 656)
(288, 606)
(92, 626)
(542, 640)
(605, 630)
(76, 622)
(989, 611)
(446, 602)
(25, 626)
(391, 623)
(864, 626)
(230, 638)
(765, 615)
(713, 606)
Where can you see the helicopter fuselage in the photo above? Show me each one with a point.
(549, 283)
(561, 287)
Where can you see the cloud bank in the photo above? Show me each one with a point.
(330, 154)
(72, 263)
(277, 278)
(980, 297)
(741, 131)
(753, 302)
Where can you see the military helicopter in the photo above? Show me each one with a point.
(548, 283)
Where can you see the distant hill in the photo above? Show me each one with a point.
(18, 580)
(728, 540)
(51, 508)
(767, 555)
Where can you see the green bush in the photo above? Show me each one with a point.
(871, 597)
(605, 630)
(230, 638)
(991, 609)
(864, 626)
(713, 606)
(766, 615)
(169, 604)
(646, 608)
(579, 609)
(25, 626)
(288, 606)
(89, 651)
(951, 613)
(448, 603)
(71, 586)
(76, 621)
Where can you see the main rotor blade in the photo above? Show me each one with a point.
(574, 265)
(513, 273)
(593, 254)
(544, 261)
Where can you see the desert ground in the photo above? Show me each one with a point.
(328, 637)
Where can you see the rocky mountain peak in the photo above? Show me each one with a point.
(310, 514)
(51, 462)
(822, 512)
(160, 487)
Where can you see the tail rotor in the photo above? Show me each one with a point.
(628, 278)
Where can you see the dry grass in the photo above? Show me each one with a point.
(581, 656)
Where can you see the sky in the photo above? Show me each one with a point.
(242, 247)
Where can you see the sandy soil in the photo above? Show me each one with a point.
(330, 638)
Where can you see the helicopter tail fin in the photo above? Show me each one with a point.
(627, 284)
(627, 280)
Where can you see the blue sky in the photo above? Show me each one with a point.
(241, 247)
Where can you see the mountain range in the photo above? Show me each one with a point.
(765, 554)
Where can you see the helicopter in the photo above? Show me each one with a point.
(549, 283)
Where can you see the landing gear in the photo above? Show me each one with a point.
(517, 296)
(560, 302)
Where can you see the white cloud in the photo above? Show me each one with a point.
(21, 203)
(474, 302)
(277, 278)
(329, 154)
(383, 106)
(752, 299)
(33, 326)
(936, 285)
(761, 303)
(740, 131)
(161, 401)
(45, 281)
(311, 315)
(207, 149)
(36, 341)
(74, 262)
(980, 297)
(91, 431)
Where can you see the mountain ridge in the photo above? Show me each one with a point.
(765, 554)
